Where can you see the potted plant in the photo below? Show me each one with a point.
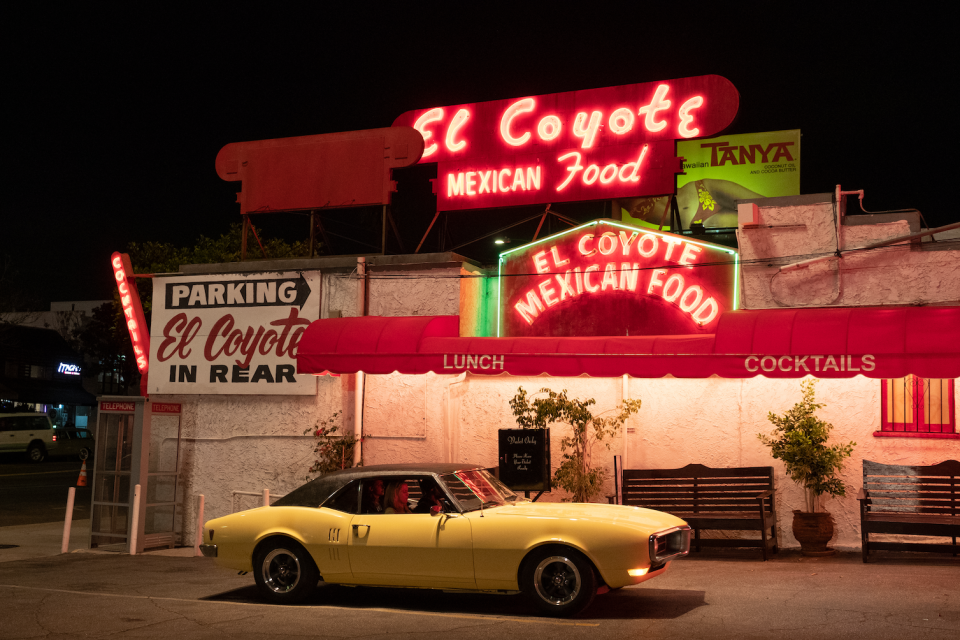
(800, 441)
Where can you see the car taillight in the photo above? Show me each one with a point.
(54, 437)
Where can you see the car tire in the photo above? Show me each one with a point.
(560, 581)
(84, 453)
(36, 453)
(284, 572)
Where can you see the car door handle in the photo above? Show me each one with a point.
(356, 528)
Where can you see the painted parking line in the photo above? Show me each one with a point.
(38, 473)
(462, 616)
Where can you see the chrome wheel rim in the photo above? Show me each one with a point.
(84, 454)
(36, 454)
(281, 571)
(557, 580)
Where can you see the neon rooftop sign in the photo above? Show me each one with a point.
(580, 145)
(609, 278)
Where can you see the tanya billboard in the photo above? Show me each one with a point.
(719, 171)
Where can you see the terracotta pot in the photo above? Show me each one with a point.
(813, 531)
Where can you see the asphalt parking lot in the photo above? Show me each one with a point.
(726, 595)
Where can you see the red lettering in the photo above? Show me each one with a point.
(713, 150)
(729, 154)
(186, 331)
(224, 325)
(176, 323)
(293, 320)
(268, 342)
(249, 345)
(782, 151)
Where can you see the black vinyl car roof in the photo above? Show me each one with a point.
(315, 492)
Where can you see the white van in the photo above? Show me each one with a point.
(27, 432)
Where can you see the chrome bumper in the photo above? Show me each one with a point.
(208, 550)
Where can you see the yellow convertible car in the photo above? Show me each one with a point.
(443, 526)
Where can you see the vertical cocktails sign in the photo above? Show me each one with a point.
(132, 314)
(594, 144)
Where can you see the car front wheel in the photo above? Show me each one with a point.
(560, 582)
(84, 453)
(285, 573)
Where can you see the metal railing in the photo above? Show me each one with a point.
(235, 497)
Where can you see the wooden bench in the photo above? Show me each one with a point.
(910, 501)
(735, 499)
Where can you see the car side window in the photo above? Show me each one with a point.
(40, 423)
(346, 500)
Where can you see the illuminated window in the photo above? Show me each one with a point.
(915, 406)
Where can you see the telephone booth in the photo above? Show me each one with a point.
(131, 450)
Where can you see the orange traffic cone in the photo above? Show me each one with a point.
(82, 480)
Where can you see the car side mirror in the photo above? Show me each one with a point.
(436, 510)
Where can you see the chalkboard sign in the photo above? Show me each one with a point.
(525, 459)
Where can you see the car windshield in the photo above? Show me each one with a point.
(476, 488)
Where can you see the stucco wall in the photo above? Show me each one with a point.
(900, 274)
(245, 443)
(421, 292)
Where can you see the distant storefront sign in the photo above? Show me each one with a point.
(718, 171)
(595, 144)
(604, 278)
(232, 334)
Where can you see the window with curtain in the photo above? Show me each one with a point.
(915, 406)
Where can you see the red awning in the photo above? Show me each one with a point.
(777, 343)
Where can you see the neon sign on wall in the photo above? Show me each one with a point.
(580, 145)
(69, 369)
(132, 313)
(608, 278)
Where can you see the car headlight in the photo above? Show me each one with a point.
(669, 544)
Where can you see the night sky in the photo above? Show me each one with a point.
(114, 121)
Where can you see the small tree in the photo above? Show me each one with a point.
(576, 473)
(799, 439)
(331, 452)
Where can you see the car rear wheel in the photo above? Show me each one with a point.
(36, 453)
(559, 581)
(285, 573)
(84, 453)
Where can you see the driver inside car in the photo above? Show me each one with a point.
(431, 496)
